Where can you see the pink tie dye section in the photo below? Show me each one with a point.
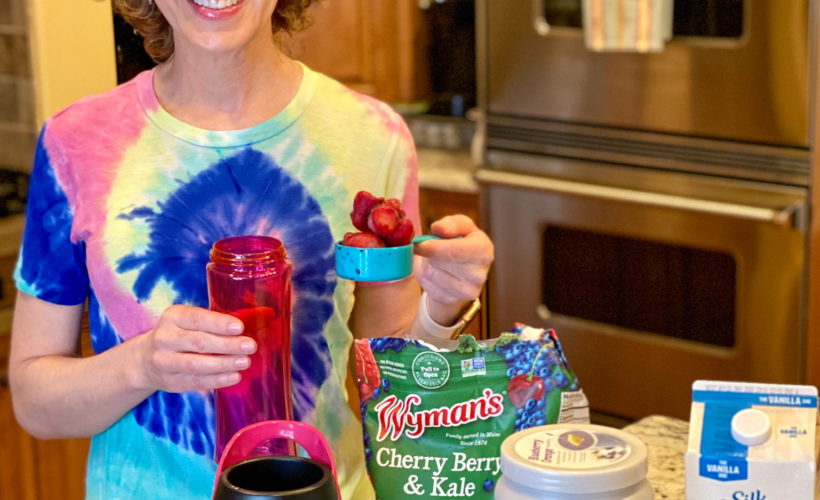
(393, 123)
(95, 154)
(410, 201)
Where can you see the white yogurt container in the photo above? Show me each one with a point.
(573, 462)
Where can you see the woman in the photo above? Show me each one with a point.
(130, 188)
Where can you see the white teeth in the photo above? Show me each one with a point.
(216, 4)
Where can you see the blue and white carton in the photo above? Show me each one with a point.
(751, 441)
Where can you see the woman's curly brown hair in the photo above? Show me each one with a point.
(289, 16)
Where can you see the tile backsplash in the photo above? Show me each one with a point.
(17, 124)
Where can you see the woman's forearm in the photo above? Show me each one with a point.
(385, 310)
(57, 396)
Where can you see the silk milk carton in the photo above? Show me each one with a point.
(751, 441)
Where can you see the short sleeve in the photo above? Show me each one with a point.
(50, 266)
(402, 165)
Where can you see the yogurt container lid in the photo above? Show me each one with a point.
(578, 458)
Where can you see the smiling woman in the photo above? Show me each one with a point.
(145, 16)
(226, 136)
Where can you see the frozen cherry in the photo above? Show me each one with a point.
(524, 387)
(363, 203)
(363, 240)
(383, 220)
(402, 235)
(368, 377)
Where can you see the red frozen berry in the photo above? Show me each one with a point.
(524, 387)
(363, 240)
(395, 203)
(368, 377)
(363, 203)
(403, 234)
(383, 220)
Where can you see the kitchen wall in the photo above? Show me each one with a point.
(17, 123)
(72, 51)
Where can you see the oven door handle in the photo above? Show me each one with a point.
(788, 216)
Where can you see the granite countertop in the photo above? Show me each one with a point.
(666, 439)
(446, 169)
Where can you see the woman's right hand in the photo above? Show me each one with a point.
(193, 349)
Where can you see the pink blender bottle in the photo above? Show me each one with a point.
(249, 277)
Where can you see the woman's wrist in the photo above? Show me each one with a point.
(457, 317)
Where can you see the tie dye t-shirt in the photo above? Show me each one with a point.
(125, 203)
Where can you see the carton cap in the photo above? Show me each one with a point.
(751, 427)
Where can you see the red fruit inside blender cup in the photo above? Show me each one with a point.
(524, 387)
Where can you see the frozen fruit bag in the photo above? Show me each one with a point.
(435, 412)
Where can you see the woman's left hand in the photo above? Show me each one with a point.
(454, 269)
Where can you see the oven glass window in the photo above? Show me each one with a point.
(699, 18)
(675, 291)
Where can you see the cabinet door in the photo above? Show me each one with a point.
(60, 468)
(375, 47)
(33, 469)
(437, 203)
(17, 476)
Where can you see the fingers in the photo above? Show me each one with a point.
(453, 225)
(454, 270)
(194, 349)
(198, 364)
(197, 318)
(463, 284)
(187, 382)
(182, 372)
(193, 329)
(474, 247)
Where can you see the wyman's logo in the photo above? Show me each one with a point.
(396, 416)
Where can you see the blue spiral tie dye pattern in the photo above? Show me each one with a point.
(47, 204)
(243, 194)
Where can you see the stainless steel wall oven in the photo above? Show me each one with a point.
(650, 207)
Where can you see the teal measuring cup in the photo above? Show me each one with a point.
(377, 264)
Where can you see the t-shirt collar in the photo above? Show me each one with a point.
(224, 138)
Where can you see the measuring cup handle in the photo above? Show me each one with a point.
(424, 237)
(427, 237)
(247, 439)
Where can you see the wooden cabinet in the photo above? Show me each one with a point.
(437, 203)
(373, 46)
(36, 469)
(30, 469)
(17, 474)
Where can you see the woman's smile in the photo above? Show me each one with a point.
(216, 9)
